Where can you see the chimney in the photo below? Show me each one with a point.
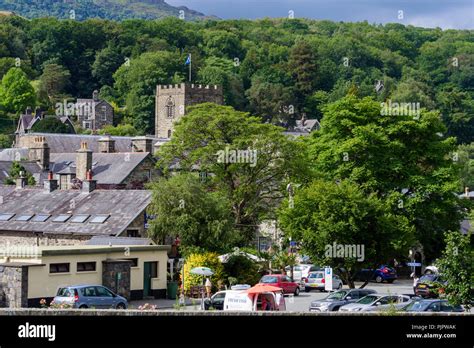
(21, 181)
(89, 185)
(106, 144)
(40, 152)
(50, 184)
(142, 144)
(83, 161)
(95, 95)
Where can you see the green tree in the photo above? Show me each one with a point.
(404, 159)
(51, 124)
(327, 213)
(5, 141)
(16, 91)
(106, 63)
(456, 266)
(209, 135)
(464, 157)
(15, 171)
(119, 130)
(53, 82)
(137, 82)
(184, 208)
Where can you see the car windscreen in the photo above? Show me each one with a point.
(316, 275)
(65, 292)
(428, 278)
(417, 306)
(368, 299)
(337, 295)
(269, 279)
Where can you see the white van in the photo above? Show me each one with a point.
(243, 301)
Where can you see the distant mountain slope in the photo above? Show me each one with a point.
(107, 9)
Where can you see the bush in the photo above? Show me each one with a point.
(202, 260)
(243, 269)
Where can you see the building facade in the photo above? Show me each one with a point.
(173, 100)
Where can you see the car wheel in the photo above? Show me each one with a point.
(120, 306)
(307, 289)
(82, 306)
(335, 309)
(340, 286)
(378, 279)
(297, 291)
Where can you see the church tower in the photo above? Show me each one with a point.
(172, 101)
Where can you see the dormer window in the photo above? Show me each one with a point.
(170, 108)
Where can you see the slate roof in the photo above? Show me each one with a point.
(102, 240)
(466, 226)
(69, 143)
(31, 167)
(107, 168)
(13, 154)
(122, 206)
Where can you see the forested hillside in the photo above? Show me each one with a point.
(277, 69)
(106, 9)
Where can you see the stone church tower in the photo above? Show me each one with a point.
(173, 100)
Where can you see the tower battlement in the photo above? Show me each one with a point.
(173, 100)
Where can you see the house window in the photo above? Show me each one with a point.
(86, 125)
(169, 133)
(104, 113)
(262, 244)
(133, 233)
(170, 108)
(59, 268)
(86, 266)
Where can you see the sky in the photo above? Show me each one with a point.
(446, 14)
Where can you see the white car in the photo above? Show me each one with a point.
(316, 281)
(377, 302)
(300, 272)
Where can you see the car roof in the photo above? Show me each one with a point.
(81, 286)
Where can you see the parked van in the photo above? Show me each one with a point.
(257, 298)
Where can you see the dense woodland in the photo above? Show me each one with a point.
(268, 67)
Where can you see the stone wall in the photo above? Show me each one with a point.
(29, 238)
(13, 286)
(116, 276)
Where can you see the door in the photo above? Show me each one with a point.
(284, 284)
(105, 297)
(150, 271)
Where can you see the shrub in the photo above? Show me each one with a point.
(202, 260)
(243, 269)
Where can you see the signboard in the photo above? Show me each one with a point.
(414, 264)
(328, 279)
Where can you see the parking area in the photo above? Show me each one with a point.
(293, 303)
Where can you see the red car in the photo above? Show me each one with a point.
(281, 281)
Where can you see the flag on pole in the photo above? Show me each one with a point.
(188, 60)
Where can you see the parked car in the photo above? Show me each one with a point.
(281, 281)
(216, 301)
(376, 302)
(316, 281)
(339, 298)
(301, 272)
(428, 285)
(89, 296)
(425, 305)
(381, 274)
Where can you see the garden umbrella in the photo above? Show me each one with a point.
(204, 271)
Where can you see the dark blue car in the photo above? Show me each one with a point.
(382, 274)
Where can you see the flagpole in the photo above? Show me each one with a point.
(190, 62)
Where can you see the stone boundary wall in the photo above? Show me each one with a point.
(114, 312)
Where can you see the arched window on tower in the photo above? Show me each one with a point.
(170, 108)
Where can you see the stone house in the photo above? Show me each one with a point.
(94, 113)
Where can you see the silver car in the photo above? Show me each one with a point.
(338, 299)
(377, 302)
(89, 296)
